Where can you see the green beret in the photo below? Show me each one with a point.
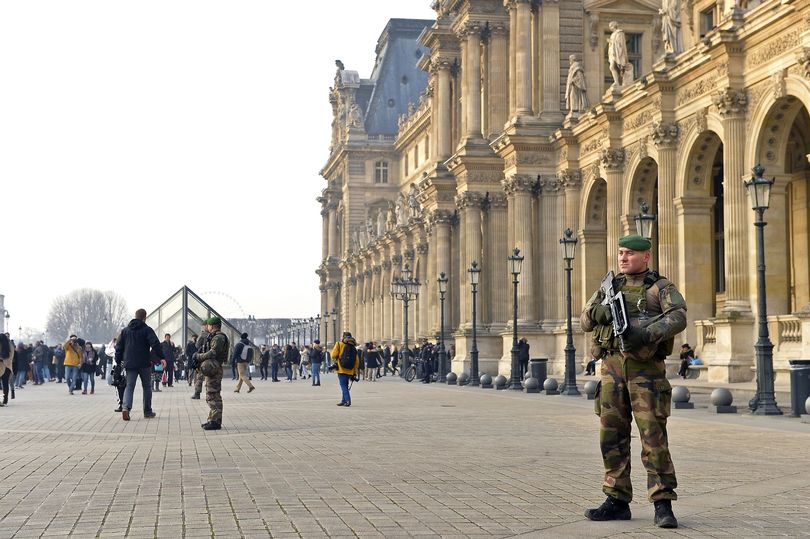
(214, 321)
(635, 242)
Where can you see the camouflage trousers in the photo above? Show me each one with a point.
(198, 381)
(213, 396)
(640, 389)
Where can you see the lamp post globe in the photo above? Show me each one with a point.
(644, 221)
(515, 267)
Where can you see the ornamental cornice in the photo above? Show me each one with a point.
(497, 200)
(570, 178)
(612, 158)
(441, 217)
(730, 102)
(470, 28)
(469, 199)
(523, 183)
(773, 48)
(665, 134)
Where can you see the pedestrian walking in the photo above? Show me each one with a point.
(243, 353)
(6, 365)
(316, 358)
(634, 382)
(88, 368)
(72, 361)
(264, 362)
(134, 348)
(168, 355)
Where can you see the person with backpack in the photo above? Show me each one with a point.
(346, 362)
(243, 352)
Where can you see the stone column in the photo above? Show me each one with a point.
(387, 307)
(368, 307)
(409, 258)
(443, 111)
(665, 137)
(469, 204)
(612, 161)
(550, 231)
(496, 251)
(360, 313)
(324, 313)
(523, 59)
(731, 104)
(550, 13)
(442, 221)
(351, 307)
(423, 302)
(333, 231)
(324, 229)
(498, 78)
(512, 7)
(376, 311)
(571, 181)
(396, 272)
(519, 188)
(472, 77)
(431, 286)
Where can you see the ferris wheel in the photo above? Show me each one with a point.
(231, 301)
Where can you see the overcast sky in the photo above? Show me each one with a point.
(151, 144)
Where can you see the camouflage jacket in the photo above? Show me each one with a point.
(653, 303)
(215, 347)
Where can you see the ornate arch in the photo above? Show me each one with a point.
(640, 185)
(770, 122)
(692, 176)
(593, 211)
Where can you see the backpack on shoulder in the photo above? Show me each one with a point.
(348, 358)
(247, 353)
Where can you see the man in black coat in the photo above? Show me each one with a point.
(133, 348)
(168, 354)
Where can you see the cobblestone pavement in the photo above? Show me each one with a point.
(404, 460)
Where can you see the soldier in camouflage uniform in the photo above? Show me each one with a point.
(634, 383)
(214, 355)
(198, 377)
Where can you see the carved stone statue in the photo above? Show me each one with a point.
(355, 118)
(362, 237)
(391, 218)
(415, 209)
(381, 222)
(576, 95)
(371, 230)
(617, 55)
(671, 26)
(402, 218)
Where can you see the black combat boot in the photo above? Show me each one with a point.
(196, 396)
(611, 509)
(212, 425)
(664, 517)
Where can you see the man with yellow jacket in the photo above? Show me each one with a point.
(346, 361)
(73, 359)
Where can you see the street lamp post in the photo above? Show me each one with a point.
(326, 328)
(442, 350)
(764, 402)
(311, 328)
(569, 243)
(475, 275)
(405, 288)
(515, 266)
(318, 326)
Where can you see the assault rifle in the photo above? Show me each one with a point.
(618, 310)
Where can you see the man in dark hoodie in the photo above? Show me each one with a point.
(316, 358)
(137, 339)
(243, 354)
(168, 354)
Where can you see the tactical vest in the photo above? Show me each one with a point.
(635, 299)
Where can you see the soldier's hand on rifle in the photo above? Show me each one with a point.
(601, 315)
(635, 338)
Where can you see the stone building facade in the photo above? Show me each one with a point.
(486, 156)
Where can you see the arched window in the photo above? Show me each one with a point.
(381, 172)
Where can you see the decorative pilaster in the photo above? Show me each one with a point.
(496, 250)
(498, 102)
(550, 14)
(423, 302)
(472, 76)
(732, 104)
(523, 58)
(444, 67)
(612, 160)
(441, 223)
(519, 188)
(552, 307)
(571, 182)
(469, 204)
(665, 137)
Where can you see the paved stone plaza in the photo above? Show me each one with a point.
(428, 461)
